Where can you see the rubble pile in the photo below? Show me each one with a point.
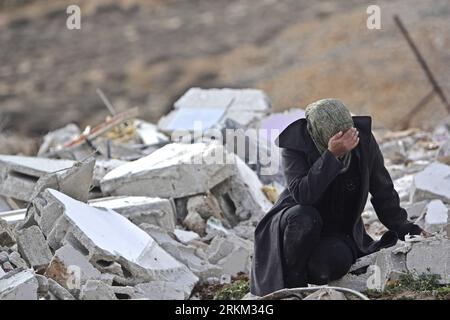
(132, 210)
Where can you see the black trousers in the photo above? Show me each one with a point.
(310, 256)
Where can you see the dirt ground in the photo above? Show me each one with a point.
(147, 53)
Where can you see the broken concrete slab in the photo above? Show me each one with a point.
(231, 253)
(75, 182)
(71, 269)
(391, 266)
(19, 285)
(58, 292)
(436, 217)
(96, 290)
(403, 186)
(139, 210)
(430, 256)
(185, 236)
(213, 107)
(2, 272)
(173, 171)
(432, 183)
(103, 235)
(19, 174)
(33, 247)
(159, 290)
(193, 257)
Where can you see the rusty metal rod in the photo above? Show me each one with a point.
(422, 62)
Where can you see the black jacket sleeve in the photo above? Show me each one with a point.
(385, 199)
(306, 184)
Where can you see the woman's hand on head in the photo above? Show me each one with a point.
(343, 142)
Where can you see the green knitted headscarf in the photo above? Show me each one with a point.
(324, 119)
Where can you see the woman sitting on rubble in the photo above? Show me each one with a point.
(314, 232)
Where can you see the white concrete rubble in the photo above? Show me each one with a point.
(68, 263)
(213, 107)
(33, 247)
(104, 235)
(430, 256)
(19, 174)
(19, 285)
(436, 217)
(139, 210)
(193, 257)
(231, 253)
(432, 183)
(96, 290)
(173, 171)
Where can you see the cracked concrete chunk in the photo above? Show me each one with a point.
(430, 256)
(391, 266)
(194, 258)
(70, 268)
(231, 253)
(7, 238)
(19, 174)
(139, 210)
(173, 171)
(432, 183)
(58, 292)
(436, 217)
(75, 182)
(96, 290)
(105, 235)
(19, 285)
(33, 248)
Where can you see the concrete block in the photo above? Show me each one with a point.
(432, 183)
(19, 285)
(185, 236)
(96, 290)
(430, 256)
(71, 269)
(33, 248)
(140, 210)
(194, 258)
(173, 171)
(19, 174)
(59, 292)
(231, 253)
(436, 218)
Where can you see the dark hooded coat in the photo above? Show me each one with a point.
(308, 174)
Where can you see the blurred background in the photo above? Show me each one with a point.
(147, 53)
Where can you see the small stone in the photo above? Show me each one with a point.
(195, 222)
(7, 267)
(16, 259)
(7, 237)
